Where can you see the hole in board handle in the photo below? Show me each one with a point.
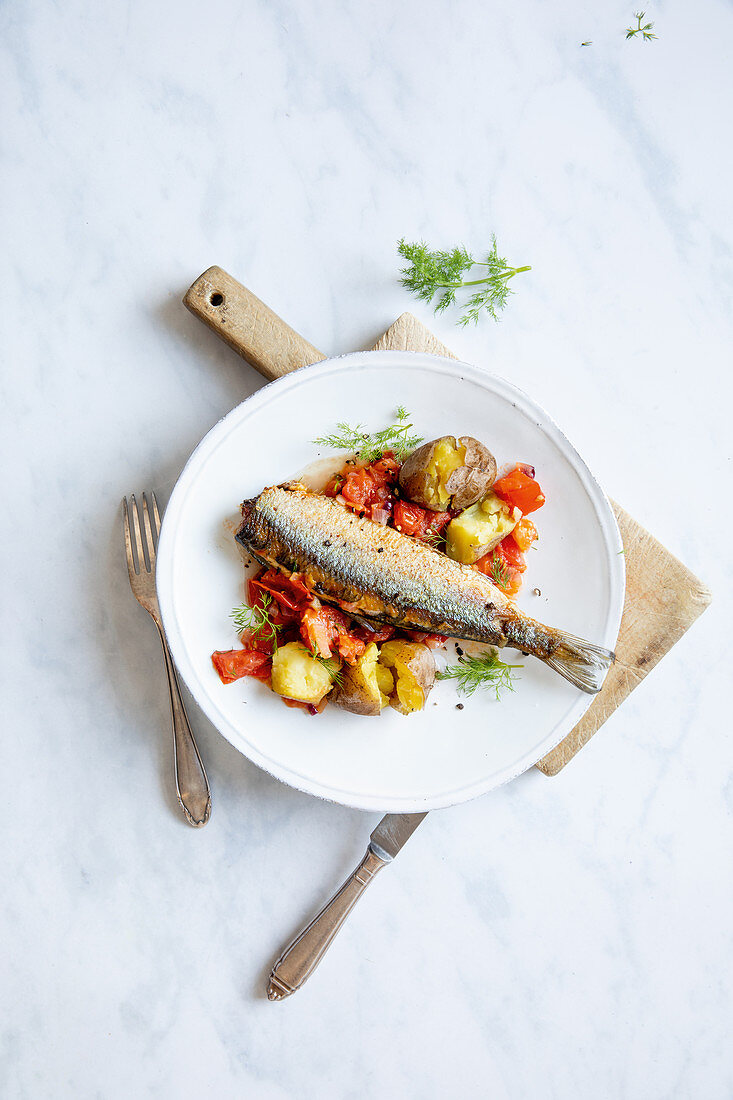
(216, 298)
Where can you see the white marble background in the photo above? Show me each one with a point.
(558, 938)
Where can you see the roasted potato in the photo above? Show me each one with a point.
(448, 473)
(479, 529)
(366, 686)
(297, 674)
(413, 668)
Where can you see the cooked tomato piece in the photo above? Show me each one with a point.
(289, 592)
(333, 486)
(495, 566)
(364, 487)
(233, 664)
(255, 595)
(259, 641)
(359, 489)
(511, 554)
(410, 519)
(419, 522)
(349, 648)
(524, 534)
(321, 627)
(386, 470)
(520, 490)
(316, 632)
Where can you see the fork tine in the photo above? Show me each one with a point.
(131, 564)
(156, 516)
(150, 541)
(139, 541)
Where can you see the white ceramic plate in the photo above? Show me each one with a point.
(441, 755)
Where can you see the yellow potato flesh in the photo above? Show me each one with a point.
(378, 679)
(385, 683)
(444, 460)
(479, 528)
(408, 690)
(298, 675)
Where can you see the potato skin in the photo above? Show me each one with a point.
(413, 666)
(359, 691)
(465, 485)
(474, 479)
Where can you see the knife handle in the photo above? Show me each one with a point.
(248, 325)
(299, 960)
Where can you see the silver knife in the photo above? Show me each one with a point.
(299, 960)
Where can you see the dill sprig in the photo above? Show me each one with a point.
(330, 666)
(255, 619)
(369, 446)
(645, 31)
(434, 539)
(500, 574)
(486, 670)
(431, 272)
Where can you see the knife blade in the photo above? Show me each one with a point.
(392, 832)
(303, 955)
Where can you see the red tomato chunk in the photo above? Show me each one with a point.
(233, 664)
(419, 522)
(520, 490)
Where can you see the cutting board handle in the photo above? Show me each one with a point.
(248, 325)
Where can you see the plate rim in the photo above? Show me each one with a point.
(221, 429)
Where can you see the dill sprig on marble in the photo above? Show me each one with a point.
(645, 31)
(429, 273)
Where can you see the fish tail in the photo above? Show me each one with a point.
(583, 664)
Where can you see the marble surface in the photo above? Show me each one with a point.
(558, 938)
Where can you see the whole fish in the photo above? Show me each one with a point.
(378, 574)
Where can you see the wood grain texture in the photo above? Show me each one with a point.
(409, 334)
(663, 598)
(248, 325)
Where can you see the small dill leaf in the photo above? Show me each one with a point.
(645, 30)
(330, 666)
(500, 572)
(368, 446)
(256, 620)
(484, 670)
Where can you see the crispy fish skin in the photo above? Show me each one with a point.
(380, 574)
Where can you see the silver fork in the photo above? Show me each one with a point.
(141, 543)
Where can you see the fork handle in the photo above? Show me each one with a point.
(192, 786)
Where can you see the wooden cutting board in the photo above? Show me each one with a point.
(663, 598)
